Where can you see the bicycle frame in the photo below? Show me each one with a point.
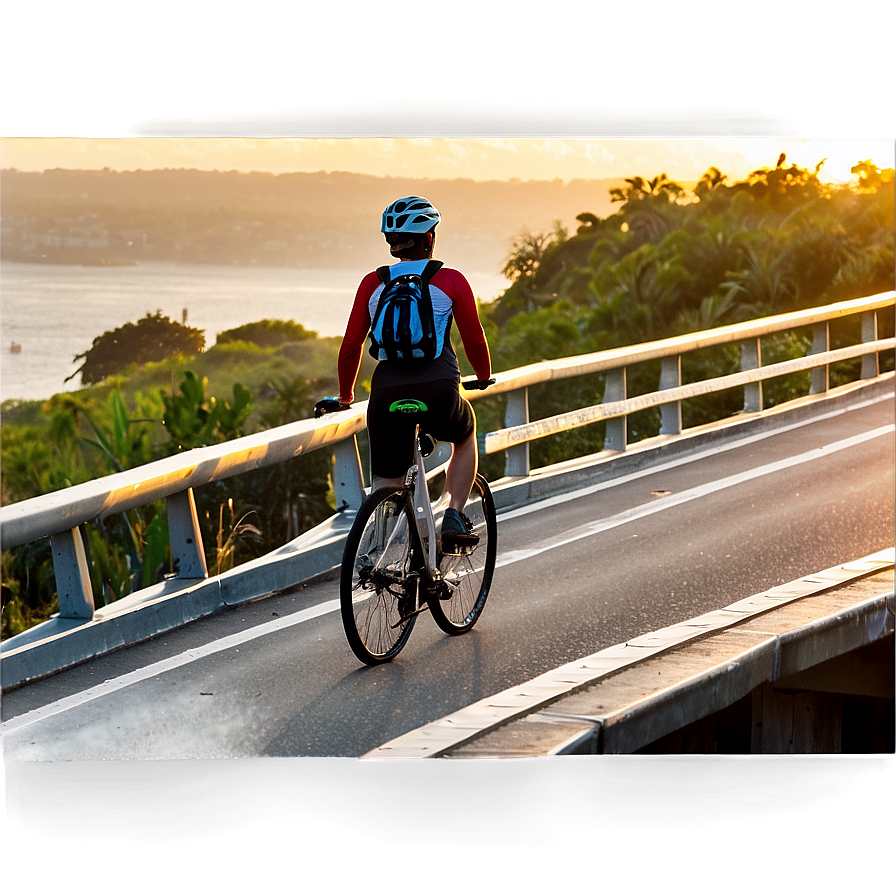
(416, 478)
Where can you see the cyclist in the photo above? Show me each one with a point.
(409, 227)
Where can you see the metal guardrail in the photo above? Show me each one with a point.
(616, 405)
(60, 514)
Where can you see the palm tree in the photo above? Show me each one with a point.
(766, 283)
(714, 311)
(711, 180)
(639, 188)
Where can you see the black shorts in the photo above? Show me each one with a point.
(449, 418)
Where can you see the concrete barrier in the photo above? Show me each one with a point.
(768, 674)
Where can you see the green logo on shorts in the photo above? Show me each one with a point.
(408, 406)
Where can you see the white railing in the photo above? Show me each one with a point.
(60, 514)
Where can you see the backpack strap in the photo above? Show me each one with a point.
(385, 272)
(426, 312)
(432, 266)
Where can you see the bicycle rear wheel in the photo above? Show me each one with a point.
(378, 584)
(468, 577)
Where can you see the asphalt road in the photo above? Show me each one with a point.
(576, 574)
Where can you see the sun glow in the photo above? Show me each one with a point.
(837, 158)
(526, 158)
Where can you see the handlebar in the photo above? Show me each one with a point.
(477, 384)
(330, 405)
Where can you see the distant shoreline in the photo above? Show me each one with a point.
(78, 258)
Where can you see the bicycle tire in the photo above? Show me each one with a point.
(376, 589)
(470, 575)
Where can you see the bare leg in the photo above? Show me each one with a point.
(461, 471)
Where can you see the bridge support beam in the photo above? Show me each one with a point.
(751, 359)
(348, 480)
(870, 363)
(670, 414)
(72, 575)
(187, 553)
(821, 343)
(615, 389)
(516, 458)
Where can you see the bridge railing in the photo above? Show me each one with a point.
(60, 515)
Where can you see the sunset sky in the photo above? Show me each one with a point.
(544, 158)
(567, 76)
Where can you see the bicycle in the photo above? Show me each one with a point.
(394, 567)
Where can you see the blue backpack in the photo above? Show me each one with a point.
(403, 326)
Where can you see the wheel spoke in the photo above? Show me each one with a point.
(468, 575)
(378, 558)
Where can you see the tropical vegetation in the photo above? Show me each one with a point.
(671, 261)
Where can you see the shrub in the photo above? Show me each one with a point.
(267, 333)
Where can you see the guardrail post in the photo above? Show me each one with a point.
(670, 414)
(516, 459)
(184, 536)
(821, 342)
(72, 575)
(616, 437)
(348, 479)
(870, 363)
(751, 359)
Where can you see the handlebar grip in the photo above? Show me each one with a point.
(328, 406)
(477, 384)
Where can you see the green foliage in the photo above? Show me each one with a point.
(291, 399)
(28, 587)
(110, 576)
(785, 347)
(237, 532)
(31, 464)
(74, 437)
(124, 441)
(529, 252)
(193, 419)
(668, 262)
(542, 334)
(267, 333)
(238, 350)
(153, 338)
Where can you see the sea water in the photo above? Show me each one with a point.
(54, 312)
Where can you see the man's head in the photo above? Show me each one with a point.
(409, 227)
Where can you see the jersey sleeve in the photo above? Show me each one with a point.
(356, 330)
(466, 316)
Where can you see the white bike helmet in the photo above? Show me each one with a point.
(413, 214)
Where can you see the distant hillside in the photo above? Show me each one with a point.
(310, 220)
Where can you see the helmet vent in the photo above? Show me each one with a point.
(412, 214)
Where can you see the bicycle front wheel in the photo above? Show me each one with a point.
(467, 578)
(378, 585)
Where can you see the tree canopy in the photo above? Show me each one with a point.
(669, 260)
(267, 333)
(153, 338)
